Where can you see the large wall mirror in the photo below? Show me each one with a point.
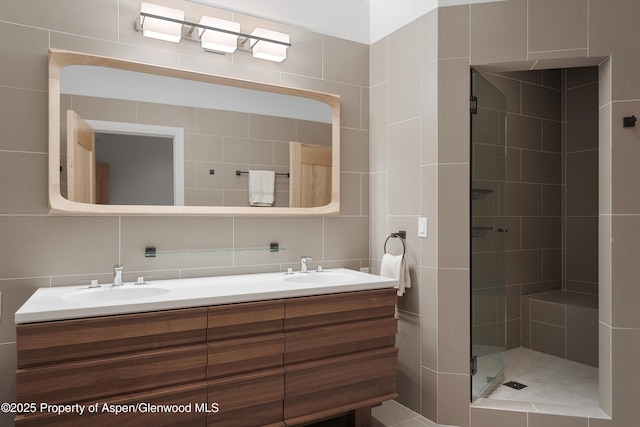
(131, 138)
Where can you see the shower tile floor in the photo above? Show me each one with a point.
(549, 379)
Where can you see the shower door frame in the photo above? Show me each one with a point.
(492, 364)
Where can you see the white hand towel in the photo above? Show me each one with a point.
(395, 267)
(261, 188)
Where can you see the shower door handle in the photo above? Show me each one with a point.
(503, 230)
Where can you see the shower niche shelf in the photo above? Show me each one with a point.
(480, 231)
(480, 193)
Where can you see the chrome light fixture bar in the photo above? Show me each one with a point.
(214, 34)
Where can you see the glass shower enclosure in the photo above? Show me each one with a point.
(488, 235)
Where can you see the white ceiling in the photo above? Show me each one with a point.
(363, 21)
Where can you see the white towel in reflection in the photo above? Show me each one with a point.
(395, 267)
(261, 188)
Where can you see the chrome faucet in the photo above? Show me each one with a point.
(303, 263)
(117, 274)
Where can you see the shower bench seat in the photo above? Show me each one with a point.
(563, 324)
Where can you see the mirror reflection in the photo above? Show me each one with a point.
(214, 131)
(135, 137)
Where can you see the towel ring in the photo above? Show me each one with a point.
(399, 235)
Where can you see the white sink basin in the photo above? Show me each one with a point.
(111, 293)
(319, 278)
(74, 302)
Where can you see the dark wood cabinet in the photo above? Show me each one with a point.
(340, 355)
(270, 363)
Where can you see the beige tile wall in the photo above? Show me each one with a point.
(37, 249)
(396, 179)
(514, 35)
(499, 32)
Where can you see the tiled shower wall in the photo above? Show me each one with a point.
(40, 250)
(551, 186)
(581, 180)
(533, 187)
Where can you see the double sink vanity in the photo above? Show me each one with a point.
(269, 349)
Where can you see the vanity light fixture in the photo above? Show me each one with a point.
(219, 41)
(214, 34)
(160, 22)
(263, 46)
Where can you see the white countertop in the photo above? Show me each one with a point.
(70, 302)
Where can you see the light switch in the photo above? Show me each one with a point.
(422, 227)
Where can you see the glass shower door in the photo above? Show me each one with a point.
(488, 232)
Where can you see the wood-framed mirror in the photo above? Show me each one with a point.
(122, 131)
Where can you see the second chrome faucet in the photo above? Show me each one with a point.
(117, 275)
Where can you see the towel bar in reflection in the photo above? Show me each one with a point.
(239, 172)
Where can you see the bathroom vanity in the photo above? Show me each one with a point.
(251, 350)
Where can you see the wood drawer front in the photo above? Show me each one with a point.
(304, 410)
(326, 374)
(245, 354)
(80, 381)
(178, 395)
(79, 339)
(340, 339)
(238, 320)
(340, 384)
(325, 310)
(266, 414)
(247, 390)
